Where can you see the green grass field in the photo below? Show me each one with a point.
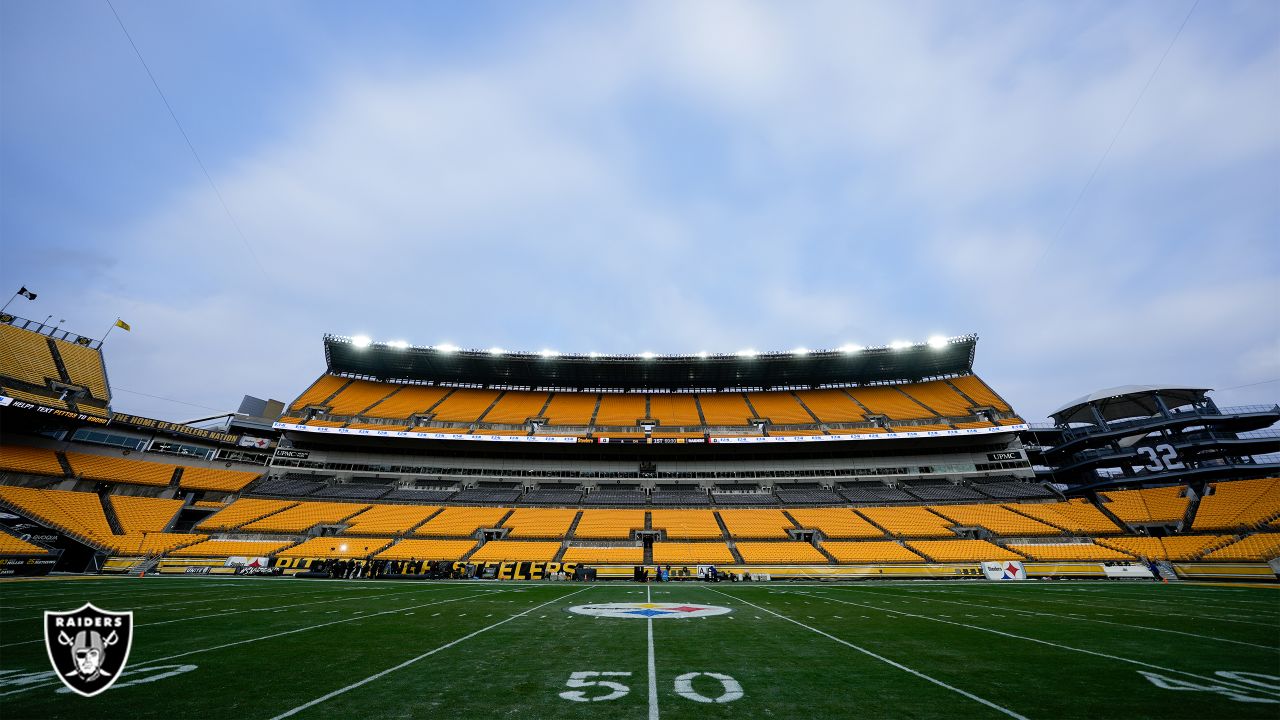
(270, 648)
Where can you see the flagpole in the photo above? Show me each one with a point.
(6, 305)
(104, 337)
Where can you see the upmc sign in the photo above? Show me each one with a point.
(1002, 456)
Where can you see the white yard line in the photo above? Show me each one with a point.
(980, 628)
(152, 661)
(407, 663)
(653, 666)
(1075, 617)
(881, 658)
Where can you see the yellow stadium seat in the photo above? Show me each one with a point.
(609, 524)
(756, 523)
(20, 458)
(232, 548)
(413, 549)
(521, 550)
(692, 553)
(836, 523)
(590, 555)
(388, 519)
(539, 523)
(962, 550)
(461, 521)
(336, 547)
(911, 521)
(785, 553)
(871, 551)
(687, 524)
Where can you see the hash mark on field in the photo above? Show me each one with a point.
(435, 614)
(408, 613)
(837, 617)
(489, 615)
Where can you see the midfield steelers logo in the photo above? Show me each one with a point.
(648, 610)
(88, 647)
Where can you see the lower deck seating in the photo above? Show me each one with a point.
(1263, 547)
(1076, 516)
(910, 521)
(686, 524)
(336, 547)
(144, 514)
(461, 521)
(413, 549)
(1072, 551)
(232, 548)
(756, 523)
(871, 551)
(785, 553)
(1166, 548)
(10, 546)
(962, 550)
(590, 555)
(836, 523)
(304, 516)
(537, 551)
(539, 523)
(609, 524)
(388, 519)
(1150, 505)
(692, 553)
(242, 511)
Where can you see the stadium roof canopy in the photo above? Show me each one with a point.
(862, 366)
(1126, 401)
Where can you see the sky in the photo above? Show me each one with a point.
(1098, 202)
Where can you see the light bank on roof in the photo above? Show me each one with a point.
(850, 365)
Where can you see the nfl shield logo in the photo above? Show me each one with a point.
(88, 647)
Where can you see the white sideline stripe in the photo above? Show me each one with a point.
(1218, 680)
(653, 667)
(881, 658)
(235, 612)
(328, 696)
(1074, 616)
(152, 661)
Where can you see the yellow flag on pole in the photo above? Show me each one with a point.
(122, 324)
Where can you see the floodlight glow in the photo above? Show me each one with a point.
(398, 344)
(496, 351)
(937, 342)
(899, 345)
(549, 353)
(850, 348)
(593, 355)
(342, 547)
(800, 351)
(361, 341)
(703, 354)
(647, 355)
(748, 353)
(446, 348)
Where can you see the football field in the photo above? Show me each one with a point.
(231, 647)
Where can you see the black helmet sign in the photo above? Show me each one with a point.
(88, 646)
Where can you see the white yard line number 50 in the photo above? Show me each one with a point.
(730, 689)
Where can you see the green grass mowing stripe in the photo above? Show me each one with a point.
(1047, 643)
(1075, 618)
(1172, 592)
(315, 626)
(881, 658)
(227, 611)
(1163, 613)
(328, 696)
(204, 599)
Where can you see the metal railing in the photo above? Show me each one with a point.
(53, 331)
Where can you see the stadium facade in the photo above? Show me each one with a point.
(848, 463)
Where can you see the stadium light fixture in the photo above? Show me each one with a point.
(549, 353)
(398, 344)
(593, 355)
(937, 342)
(361, 341)
(704, 354)
(497, 351)
(446, 348)
(647, 355)
(748, 353)
(800, 351)
(850, 348)
(899, 345)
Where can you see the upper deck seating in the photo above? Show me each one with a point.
(1239, 503)
(117, 469)
(38, 461)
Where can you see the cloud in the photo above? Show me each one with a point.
(674, 178)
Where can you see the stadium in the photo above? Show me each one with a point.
(434, 531)
(725, 359)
